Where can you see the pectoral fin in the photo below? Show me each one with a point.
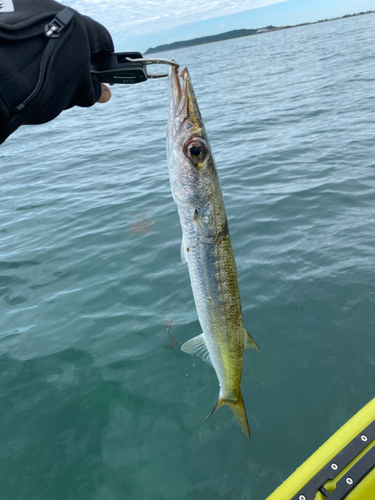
(198, 347)
(197, 220)
(183, 251)
(250, 342)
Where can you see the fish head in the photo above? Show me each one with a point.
(191, 164)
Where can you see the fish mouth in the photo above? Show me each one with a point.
(182, 100)
(178, 90)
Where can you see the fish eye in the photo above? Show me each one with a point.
(196, 149)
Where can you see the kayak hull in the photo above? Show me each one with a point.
(348, 457)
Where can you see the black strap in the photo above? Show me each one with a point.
(58, 23)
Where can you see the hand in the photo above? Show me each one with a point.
(105, 95)
(67, 83)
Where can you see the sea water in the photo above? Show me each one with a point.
(97, 401)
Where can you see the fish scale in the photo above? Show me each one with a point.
(206, 246)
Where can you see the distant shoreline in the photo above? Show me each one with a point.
(240, 33)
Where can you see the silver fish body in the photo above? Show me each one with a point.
(206, 246)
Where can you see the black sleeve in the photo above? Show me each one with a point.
(70, 82)
(67, 80)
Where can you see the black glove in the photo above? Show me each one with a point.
(40, 75)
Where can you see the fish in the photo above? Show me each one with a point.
(206, 246)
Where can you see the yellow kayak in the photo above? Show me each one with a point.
(344, 467)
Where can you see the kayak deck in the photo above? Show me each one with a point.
(343, 467)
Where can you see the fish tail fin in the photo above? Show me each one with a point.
(238, 410)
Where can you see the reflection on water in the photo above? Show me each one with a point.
(168, 327)
(142, 224)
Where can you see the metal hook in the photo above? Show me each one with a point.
(151, 60)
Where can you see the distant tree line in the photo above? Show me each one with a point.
(238, 33)
(202, 40)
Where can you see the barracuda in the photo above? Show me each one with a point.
(206, 246)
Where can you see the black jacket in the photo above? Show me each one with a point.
(41, 75)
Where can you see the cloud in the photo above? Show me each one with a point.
(134, 17)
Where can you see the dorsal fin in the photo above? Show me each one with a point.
(198, 347)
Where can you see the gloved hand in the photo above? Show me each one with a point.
(66, 77)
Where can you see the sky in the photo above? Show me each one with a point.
(136, 25)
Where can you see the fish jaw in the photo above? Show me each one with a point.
(174, 97)
(183, 107)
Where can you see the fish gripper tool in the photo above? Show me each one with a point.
(125, 67)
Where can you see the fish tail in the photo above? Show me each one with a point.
(238, 410)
